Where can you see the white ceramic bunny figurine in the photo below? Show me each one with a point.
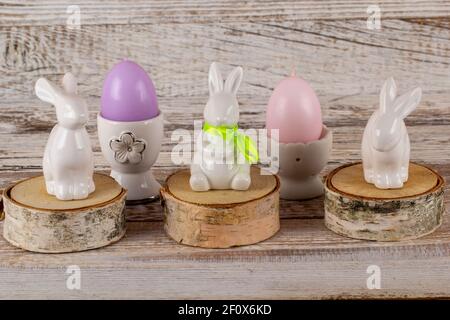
(385, 145)
(218, 161)
(68, 160)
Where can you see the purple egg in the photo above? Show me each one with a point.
(128, 94)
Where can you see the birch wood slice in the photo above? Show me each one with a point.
(357, 209)
(221, 218)
(37, 221)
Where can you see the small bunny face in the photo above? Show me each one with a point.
(387, 132)
(222, 107)
(387, 129)
(71, 110)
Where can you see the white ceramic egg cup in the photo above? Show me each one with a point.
(131, 148)
(300, 165)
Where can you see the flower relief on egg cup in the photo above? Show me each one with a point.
(304, 142)
(130, 129)
(387, 197)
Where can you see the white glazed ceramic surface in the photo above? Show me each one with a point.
(68, 160)
(385, 144)
(131, 148)
(209, 171)
(300, 165)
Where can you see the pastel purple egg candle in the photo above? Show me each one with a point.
(294, 110)
(128, 94)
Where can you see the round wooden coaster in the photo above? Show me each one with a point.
(357, 209)
(37, 221)
(32, 193)
(350, 180)
(221, 218)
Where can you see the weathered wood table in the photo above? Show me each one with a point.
(344, 60)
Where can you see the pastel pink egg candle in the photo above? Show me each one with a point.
(304, 143)
(294, 110)
(130, 129)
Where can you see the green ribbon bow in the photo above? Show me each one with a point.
(245, 145)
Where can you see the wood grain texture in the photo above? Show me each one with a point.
(350, 180)
(32, 193)
(73, 226)
(357, 209)
(36, 12)
(302, 261)
(261, 184)
(204, 219)
(175, 41)
(339, 58)
(289, 209)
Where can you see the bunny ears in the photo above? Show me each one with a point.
(48, 92)
(216, 82)
(402, 105)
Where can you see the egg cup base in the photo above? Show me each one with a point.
(142, 187)
(296, 189)
(300, 167)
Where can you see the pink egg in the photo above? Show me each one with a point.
(294, 109)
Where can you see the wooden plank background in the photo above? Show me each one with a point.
(175, 41)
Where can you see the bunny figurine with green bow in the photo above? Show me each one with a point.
(224, 154)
